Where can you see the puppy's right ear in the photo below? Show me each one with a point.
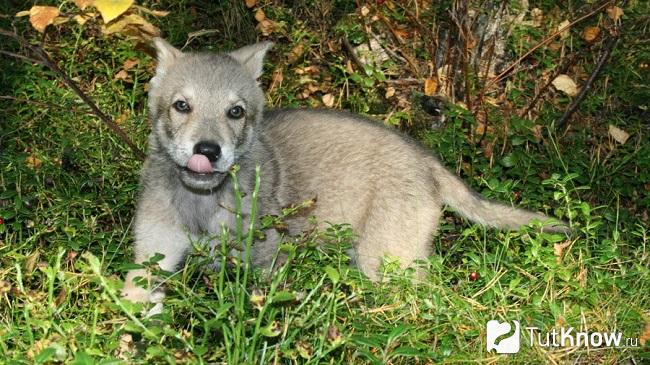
(166, 55)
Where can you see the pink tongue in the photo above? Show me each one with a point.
(199, 163)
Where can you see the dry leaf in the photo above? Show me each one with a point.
(33, 162)
(42, 16)
(328, 100)
(645, 336)
(564, 25)
(614, 13)
(267, 27)
(618, 134)
(558, 250)
(22, 13)
(134, 25)
(250, 3)
(129, 64)
(430, 86)
(364, 10)
(276, 79)
(83, 4)
(590, 34)
(537, 132)
(259, 15)
(111, 9)
(295, 53)
(156, 13)
(122, 118)
(565, 84)
(121, 75)
(390, 91)
(538, 17)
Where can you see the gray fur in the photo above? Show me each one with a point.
(387, 186)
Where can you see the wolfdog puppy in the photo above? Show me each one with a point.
(208, 115)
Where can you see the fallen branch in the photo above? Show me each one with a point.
(548, 39)
(607, 51)
(44, 59)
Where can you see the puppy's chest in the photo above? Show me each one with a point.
(207, 214)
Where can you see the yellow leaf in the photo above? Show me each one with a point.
(430, 86)
(259, 15)
(614, 13)
(565, 84)
(33, 162)
(111, 9)
(22, 13)
(618, 134)
(42, 16)
(590, 34)
(328, 100)
(390, 92)
(250, 3)
(83, 4)
(563, 28)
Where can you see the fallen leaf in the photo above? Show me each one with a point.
(122, 118)
(537, 132)
(129, 64)
(614, 13)
(390, 91)
(645, 336)
(430, 86)
(538, 17)
(42, 16)
(81, 19)
(22, 13)
(134, 25)
(33, 162)
(565, 84)
(295, 53)
(328, 100)
(267, 27)
(558, 250)
(276, 79)
(250, 3)
(590, 34)
(83, 4)
(259, 15)
(156, 13)
(618, 134)
(365, 10)
(563, 28)
(111, 9)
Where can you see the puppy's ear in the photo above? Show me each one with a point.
(166, 55)
(252, 57)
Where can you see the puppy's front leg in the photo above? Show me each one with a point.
(156, 231)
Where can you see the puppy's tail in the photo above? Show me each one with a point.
(476, 208)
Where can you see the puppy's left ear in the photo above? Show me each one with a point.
(252, 57)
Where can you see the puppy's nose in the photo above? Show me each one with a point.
(210, 150)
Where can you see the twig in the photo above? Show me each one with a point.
(607, 51)
(21, 57)
(45, 60)
(348, 47)
(562, 69)
(548, 39)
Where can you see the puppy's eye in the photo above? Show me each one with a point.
(236, 112)
(181, 106)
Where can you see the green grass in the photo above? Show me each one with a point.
(65, 241)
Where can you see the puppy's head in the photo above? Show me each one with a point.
(204, 107)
